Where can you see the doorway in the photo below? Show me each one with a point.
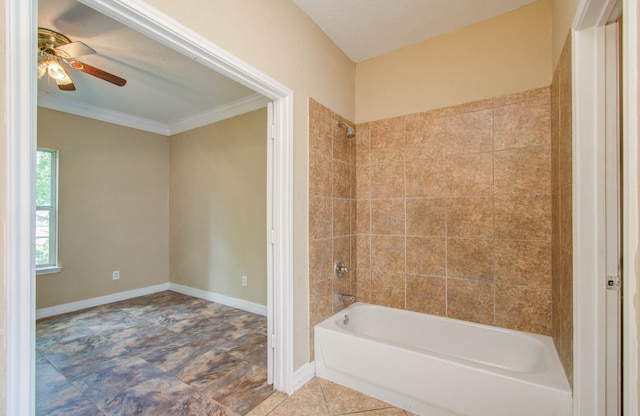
(21, 18)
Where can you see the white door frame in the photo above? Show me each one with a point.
(589, 206)
(21, 104)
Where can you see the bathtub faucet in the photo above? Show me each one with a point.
(343, 297)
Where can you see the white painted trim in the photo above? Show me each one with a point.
(77, 108)
(20, 129)
(589, 249)
(630, 220)
(303, 375)
(222, 112)
(588, 222)
(100, 300)
(588, 226)
(218, 298)
(48, 270)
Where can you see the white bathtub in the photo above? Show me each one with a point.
(436, 366)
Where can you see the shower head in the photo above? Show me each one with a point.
(350, 132)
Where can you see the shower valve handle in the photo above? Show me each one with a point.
(339, 269)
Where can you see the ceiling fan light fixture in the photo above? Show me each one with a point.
(58, 73)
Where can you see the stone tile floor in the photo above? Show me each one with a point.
(170, 354)
(320, 397)
(162, 354)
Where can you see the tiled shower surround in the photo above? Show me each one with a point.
(562, 209)
(448, 211)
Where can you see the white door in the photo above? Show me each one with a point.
(613, 215)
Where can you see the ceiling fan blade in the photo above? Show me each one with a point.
(66, 87)
(99, 73)
(73, 49)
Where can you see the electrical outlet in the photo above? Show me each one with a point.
(244, 280)
(116, 274)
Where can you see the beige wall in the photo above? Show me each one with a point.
(218, 207)
(502, 55)
(277, 38)
(113, 208)
(563, 13)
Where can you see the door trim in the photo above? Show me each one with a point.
(589, 207)
(21, 112)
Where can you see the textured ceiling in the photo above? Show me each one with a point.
(364, 29)
(163, 88)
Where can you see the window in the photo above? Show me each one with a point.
(46, 210)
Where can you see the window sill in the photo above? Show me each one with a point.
(49, 270)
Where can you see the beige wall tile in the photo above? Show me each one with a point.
(469, 132)
(363, 216)
(320, 301)
(387, 253)
(320, 218)
(566, 116)
(320, 139)
(470, 217)
(523, 124)
(387, 140)
(566, 218)
(342, 250)
(363, 251)
(555, 108)
(363, 182)
(473, 106)
(524, 170)
(387, 288)
(470, 259)
(363, 144)
(471, 300)
(555, 167)
(341, 217)
(427, 294)
(525, 263)
(518, 97)
(555, 216)
(319, 175)
(566, 281)
(364, 285)
(341, 179)
(425, 177)
(426, 216)
(341, 144)
(524, 308)
(426, 255)
(469, 174)
(387, 180)
(388, 216)
(424, 136)
(320, 260)
(524, 217)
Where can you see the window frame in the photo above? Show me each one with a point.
(52, 265)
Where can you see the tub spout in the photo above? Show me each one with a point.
(343, 297)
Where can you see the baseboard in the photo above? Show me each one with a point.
(100, 300)
(218, 298)
(303, 374)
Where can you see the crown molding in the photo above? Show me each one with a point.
(78, 108)
(222, 112)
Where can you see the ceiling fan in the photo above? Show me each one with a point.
(54, 49)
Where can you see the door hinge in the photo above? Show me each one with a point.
(273, 237)
(613, 282)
